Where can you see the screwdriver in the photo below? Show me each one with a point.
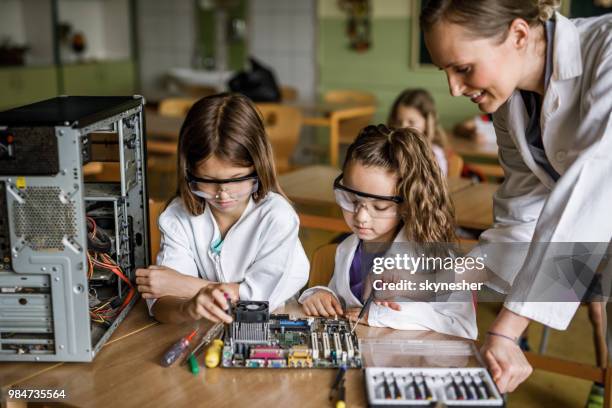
(363, 311)
(177, 349)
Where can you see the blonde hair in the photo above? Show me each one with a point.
(229, 127)
(423, 102)
(487, 18)
(427, 210)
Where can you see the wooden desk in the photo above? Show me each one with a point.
(474, 206)
(136, 321)
(471, 149)
(158, 126)
(311, 191)
(128, 373)
(480, 157)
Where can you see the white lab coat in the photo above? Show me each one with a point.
(457, 317)
(577, 135)
(261, 250)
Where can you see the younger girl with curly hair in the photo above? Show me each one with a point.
(391, 191)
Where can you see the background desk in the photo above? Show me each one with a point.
(127, 373)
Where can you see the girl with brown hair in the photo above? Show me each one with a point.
(416, 108)
(230, 232)
(391, 191)
(547, 80)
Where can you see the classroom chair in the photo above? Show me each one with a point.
(156, 207)
(349, 128)
(176, 106)
(283, 124)
(322, 265)
(349, 97)
(288, 93)
(455, 164)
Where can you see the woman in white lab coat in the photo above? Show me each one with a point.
(548, 82)
(229, 233)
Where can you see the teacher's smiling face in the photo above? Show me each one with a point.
(486, 70)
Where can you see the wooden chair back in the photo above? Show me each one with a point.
(155, 209)
(455, 164)
(349, 96)
(283, 124)
(350, 128)
(322, 265)
(288, 93)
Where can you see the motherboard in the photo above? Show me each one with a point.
(258, 339)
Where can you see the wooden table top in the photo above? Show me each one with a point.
(474, 206)
(127, 373)
(468, 148)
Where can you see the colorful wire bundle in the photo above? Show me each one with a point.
(102, 313)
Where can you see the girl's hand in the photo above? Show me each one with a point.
(353, 313)
(322, 303)
(210, 303)
(232, 290)
(157, 281)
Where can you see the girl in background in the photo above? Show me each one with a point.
(416, 108)
(230, 232)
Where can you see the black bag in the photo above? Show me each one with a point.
(258, 83)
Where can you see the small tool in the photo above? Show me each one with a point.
(363, 311)
(427, 392)
(229, 303)
(336, 385)
(340, 403)
(396, 388)
(193, 365)
(213, 354)
(386, 388)
(177, 349)
(468, 392)
(210, 335)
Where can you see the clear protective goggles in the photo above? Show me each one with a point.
(377, 206)
(212, 189)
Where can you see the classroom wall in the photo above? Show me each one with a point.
(385, 68)
(11, 22)
(166, 38)
(282, 35)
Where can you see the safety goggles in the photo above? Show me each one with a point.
(211, 189)
(377, 206)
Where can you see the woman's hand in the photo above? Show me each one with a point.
(322, 303)
(157, 281)
(505, 359)
(211, 302)
(352, 315)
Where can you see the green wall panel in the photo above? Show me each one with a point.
(21, 86)
(384, 69)
(103, 78)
